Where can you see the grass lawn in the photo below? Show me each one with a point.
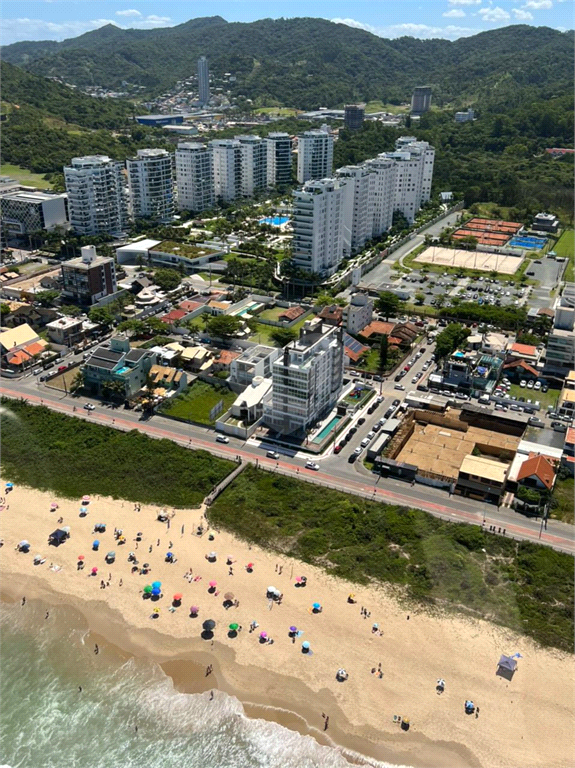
(565, 247)
(279, 111)
(545, 398)
(184, 249)
(24, 176)
(196, 402)
(563, 494)
(526, 587)
(380, 106)
(244, 258)
(263, 333)
(70, 456)
(272, 313)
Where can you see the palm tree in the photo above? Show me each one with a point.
(78, 381)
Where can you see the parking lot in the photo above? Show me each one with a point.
(484, 290)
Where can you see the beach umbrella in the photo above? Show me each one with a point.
(83, 510)
(9, 485)
(213, 583)
(316, 606)
(147, 589)
(209, 624)
(293, 629)
(234, 627)
(305, 646)
(263, 635)
(66, 529)
(146, 565)
(229, 596)
(156, 584)
(178, 596)
(95, 544)
(156, 591)
(194, 610)
(53, 505)
(24, 543)
(86, 499)
(81, 557)
(94, 570)
(250, 566)
(212, 556)
(111, 556)
(272, 589)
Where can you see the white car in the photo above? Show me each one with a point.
(523, 383)
(400, 387)
(311, 465)
(530, 384)
(537, 385)
(90, 407)
(273, 455)
(222, 439)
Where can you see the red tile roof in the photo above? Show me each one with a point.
(35, 348)
(292, 313)
(541, 468)
(188, 305)
(226, 356)
(175, 314)
(521, 364)
(377, 327)
(524, 349)
(570, 436)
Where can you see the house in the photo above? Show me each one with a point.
(21, 313)
(358, 313)
(332, 315)
(174, 317)
(66, 331)
(568, 457)
(197, 359)
(376, 328)
(536, 472)
(113, 362)
(525, 352)
(168, 354)
(20, 347)
(224, 360)
(167, 381)
(255, 361)
(566, 405)
(291, 314)
(407, 332)
(482, 478)
(353, 350)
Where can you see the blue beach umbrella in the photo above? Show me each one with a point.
(156, 584)
(305, 646)
(9, 485)
(156, 591)
(83, 509)
(95, 544)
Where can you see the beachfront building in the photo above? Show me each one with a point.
(227, 168)
(255, 361)
(114, 366)
(320, 220)
(307, 379)
(194, 176)
(97, 195)
(359, 214)
(482, 478)
(203, 80)
(314, 155)
(253, 165)
(20, 347)
(279, 159)
(89, 278)
(151, 184)
(23, 213)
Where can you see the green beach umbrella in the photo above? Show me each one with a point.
(147, 589)
(234, 627)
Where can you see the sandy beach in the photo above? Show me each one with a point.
(525, 722)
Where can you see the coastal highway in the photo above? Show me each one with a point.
(335, 472)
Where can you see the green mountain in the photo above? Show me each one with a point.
(307, 62)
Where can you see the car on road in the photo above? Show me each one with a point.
(365, 442)
(379, 400)
(361, 421)
(396, 402)
(273, 455)
(222, 439)
(370, 435)
(376, 427)
(352, 457)
(400, 386)
(90, 407)
(338, 448)
(311, 465)
(415, 379)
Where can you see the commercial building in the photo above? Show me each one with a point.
(545, 222)
(354, 116)
(203, 80)
(320, 239)
(194, 176)
(151, 183)
(314, 155)
(157, 121)
(421, 100)
(358, 313)
(89, 278)
(97, 195)
(465, 117)
(255, 361)
(307, 379)
(253, 164)
(279, 159)
(482, 478)
(113, 363)
(23, 213)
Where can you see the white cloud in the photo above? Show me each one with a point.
(494, 14)
(539, 5)
(521, 15)
(421, 31)
(464, 2)
(159, 19)
(454, 13)
(129, 12)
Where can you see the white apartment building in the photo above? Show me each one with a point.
(413, 175)
(358, 221)
(381, 194)
(203, 80)
(151, 183)
(560, 353)
(314, 155)
(253, 362)
(358, 313)
(253, 159)
(97, 195)
(227, 165)
(321, 225)
(307, 379)
(278, 159)
(194, 177)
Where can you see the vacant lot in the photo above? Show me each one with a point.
(70, 457)
(565, 247)
(563, 496)
(196, 402)
(64, 380)
(484, 262)
(520, 585)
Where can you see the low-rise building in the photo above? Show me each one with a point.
(66, 330)
(545, 222)
(482, 478)
(253, 362)
(465, 117)
(560, 353)
(526, 352)
(88, 279)
(20, 347)
(359, 312)
(536, 472)
(114, 365)
(332, 315)
(224, 360)
(197, 359)
(167, 381)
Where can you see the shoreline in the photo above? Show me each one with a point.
(277, 684)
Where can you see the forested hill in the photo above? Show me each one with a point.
(307, 63)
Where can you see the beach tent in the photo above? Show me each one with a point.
(57, 537)
(506, 667)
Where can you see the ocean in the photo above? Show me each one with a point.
(46, 722)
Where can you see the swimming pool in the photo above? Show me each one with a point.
(123, 369)
(529, 243)
(275, 221)
(326, 430)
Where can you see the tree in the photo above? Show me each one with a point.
(113, 388)
(155, 325)
(224, 326)
(283, 336)
(71, 310)
(78, 381)
(101, 315)
(167, 279)
(4, 309)
(134, 327)
(449, 339)
(420, 298)
(47, 298)
(388, 304)
(383, 352)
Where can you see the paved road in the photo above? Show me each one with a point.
(335, 472)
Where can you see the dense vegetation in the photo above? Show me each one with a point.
(72, 457)
(524, 586)
(313, 61)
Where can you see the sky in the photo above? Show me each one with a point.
(450, 19)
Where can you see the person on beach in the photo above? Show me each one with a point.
(211, 695)
(23, 601)
(47, 614)
(96, 649)
(326, 724)
(79, 689)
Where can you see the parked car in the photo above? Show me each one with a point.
(365, 442)
(537, 385)
(400, 386)
(376, 427)
(544, 388)
(338, 448)
(361, 421)
(62, 368)
(311, 465)
(522, 383)
(530, 384)
(352, 457)
(558, 426)
(222, 439)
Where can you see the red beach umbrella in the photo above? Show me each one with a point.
(213, 583)
(80, 557)
(178, 596)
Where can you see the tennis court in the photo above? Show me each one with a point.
(484, 262)
(528, 242)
